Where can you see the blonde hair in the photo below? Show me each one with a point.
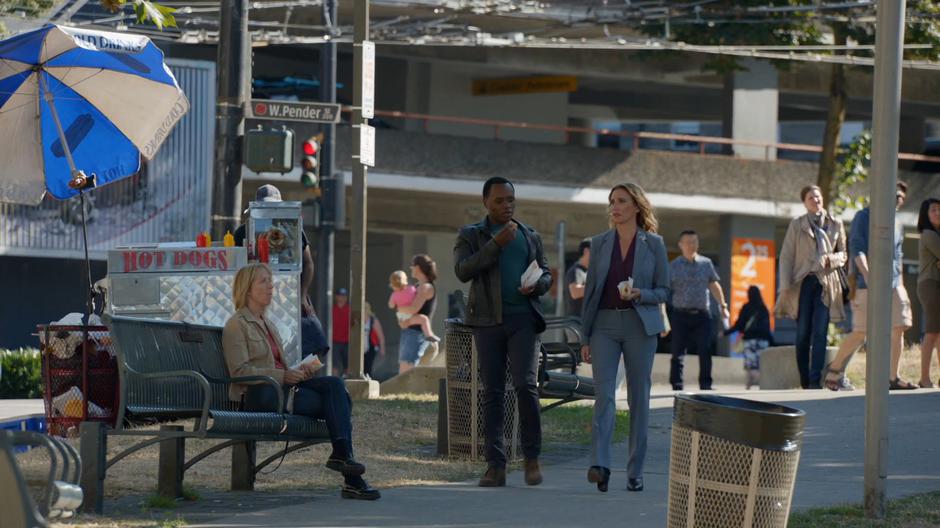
(398, 280)
(645, 218)
(243, 281)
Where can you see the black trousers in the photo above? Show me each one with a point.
(323, 397)
(517, 342)
(692, 333)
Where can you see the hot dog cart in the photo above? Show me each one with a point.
(182, 282)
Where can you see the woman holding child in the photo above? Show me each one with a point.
(252, 347)
(627, 280)
(413, 342)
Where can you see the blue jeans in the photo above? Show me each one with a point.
(323, 397)
(812, 329)
(411, 345)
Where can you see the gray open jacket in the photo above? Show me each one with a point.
(476, 258)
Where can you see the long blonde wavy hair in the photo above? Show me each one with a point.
(645, 217)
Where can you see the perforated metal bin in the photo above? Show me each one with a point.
(465, 398)
(733, 462)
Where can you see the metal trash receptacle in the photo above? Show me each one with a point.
(465, 398)
(733, 462)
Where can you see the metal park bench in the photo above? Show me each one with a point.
(172, 371)
(558, 365)
(29, 504)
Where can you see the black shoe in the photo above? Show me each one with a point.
(361, 491)
(677, 387)
(348, 467)
(635, 484)
(601, 476)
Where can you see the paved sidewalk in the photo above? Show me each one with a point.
(831, 472)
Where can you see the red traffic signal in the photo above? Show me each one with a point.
(311, 147)
(310, 177)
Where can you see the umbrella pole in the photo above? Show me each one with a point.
(79, 178)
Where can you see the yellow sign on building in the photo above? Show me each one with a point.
(523, 85)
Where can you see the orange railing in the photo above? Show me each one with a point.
(702, 141)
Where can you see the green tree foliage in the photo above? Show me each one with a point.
(21, 374)
(851, 170)
(146, 10)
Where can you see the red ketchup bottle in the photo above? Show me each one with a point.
(201, 240)
(263, 249)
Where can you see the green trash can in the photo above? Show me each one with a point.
(732, 463)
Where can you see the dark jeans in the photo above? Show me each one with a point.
(692, 333)
(812, 329)
(323, 397)
(516, 341)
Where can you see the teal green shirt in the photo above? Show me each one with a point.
(513, 261)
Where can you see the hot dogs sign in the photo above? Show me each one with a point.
(162, 260)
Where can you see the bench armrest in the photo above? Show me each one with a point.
(264, 379)
(200, 380)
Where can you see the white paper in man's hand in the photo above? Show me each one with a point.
(531, 275)
(312, 359)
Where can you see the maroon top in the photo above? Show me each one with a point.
(619, 271)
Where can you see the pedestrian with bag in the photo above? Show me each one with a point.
(811, 282)
(754, 325)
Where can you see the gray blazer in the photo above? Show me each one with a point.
(650, 276)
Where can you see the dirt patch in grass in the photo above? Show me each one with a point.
(909, 366)
(917, 511)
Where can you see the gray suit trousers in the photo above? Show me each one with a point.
(619, 335)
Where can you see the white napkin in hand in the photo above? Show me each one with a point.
(531, 275)
(312, 359)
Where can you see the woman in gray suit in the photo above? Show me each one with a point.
(627, 279)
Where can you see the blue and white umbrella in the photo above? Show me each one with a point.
(76, 102)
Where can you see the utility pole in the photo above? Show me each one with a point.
(359, 387)
(331, 199)
(889, 38)
(234, 72)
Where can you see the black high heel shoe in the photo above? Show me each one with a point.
(635, 484)
(601, 476)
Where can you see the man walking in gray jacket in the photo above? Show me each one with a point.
(506, 317)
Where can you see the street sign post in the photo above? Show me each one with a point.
(294, 111)
(368, 79)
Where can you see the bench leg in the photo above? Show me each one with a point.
(172, 458)
(94, 450)
(244, 459)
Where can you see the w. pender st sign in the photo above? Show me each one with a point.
(294, 111)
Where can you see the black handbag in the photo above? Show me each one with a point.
(844, 284)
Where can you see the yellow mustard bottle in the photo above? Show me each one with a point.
(228, 240)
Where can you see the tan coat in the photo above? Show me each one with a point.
(798, 258)
(247, 351)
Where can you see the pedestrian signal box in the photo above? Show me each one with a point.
(269, 149)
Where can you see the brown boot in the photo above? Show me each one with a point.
(533, 475)
(494, 477)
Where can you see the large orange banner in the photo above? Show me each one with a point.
(753, 263)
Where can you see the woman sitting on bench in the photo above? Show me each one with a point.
(252, 347)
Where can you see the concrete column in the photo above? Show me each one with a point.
(754, 108)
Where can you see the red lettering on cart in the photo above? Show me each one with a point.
(130, 261)
(179, 259)
(223, 260)
(146, 259)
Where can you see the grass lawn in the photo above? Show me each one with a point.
(395, 437)
(918, 511)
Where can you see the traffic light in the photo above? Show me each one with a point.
(310, 177)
